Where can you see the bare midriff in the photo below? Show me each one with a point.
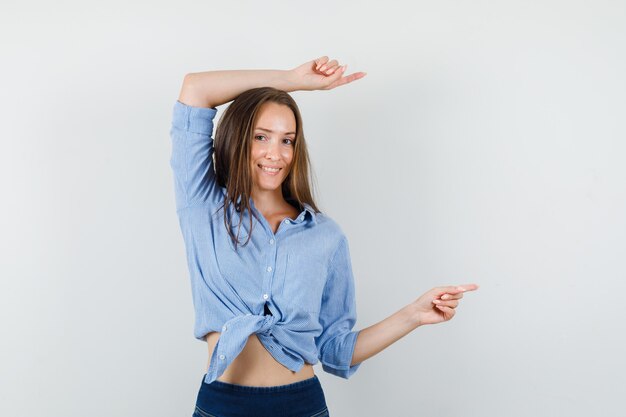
(255, 366)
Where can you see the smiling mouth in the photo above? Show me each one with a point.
(268, 170)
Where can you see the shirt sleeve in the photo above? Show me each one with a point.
(335, 345)
(192, 155)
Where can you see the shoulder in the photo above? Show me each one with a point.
(334, 235)
(328, 225)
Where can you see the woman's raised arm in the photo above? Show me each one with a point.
(214, 88)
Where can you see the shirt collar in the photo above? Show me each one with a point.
(308, 208)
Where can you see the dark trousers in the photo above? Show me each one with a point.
(299, 399)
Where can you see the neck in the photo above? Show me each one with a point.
(268, 201)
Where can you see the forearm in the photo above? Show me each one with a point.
(379, 336)
(214, 88)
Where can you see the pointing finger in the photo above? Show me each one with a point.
(468, 287)
(456, 289)
(342, 80)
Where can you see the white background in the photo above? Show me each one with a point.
(486, 145)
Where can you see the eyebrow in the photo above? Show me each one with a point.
(271, 131)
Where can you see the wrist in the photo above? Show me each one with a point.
(291, 81)
(413, 316)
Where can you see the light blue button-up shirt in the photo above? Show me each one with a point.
(303, 272)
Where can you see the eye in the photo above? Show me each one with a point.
(290, 141)
(259, 136)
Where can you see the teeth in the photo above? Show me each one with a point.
(270, 169)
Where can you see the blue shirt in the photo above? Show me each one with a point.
(302, 273)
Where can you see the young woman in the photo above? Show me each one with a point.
(271, 275)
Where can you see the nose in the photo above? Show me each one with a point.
(272, 152)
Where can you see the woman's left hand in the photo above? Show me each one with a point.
(437, 305)
(322, 74)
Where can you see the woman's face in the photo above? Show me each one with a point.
(273, 145)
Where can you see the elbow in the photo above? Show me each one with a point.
(191, 93)
(337, 355)
(188, 78)
(189, 82)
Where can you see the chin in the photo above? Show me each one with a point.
(269, 187)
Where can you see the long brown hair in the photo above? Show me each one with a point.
(233, 142)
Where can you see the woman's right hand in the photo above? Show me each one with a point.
(438, 304)
(322, 74)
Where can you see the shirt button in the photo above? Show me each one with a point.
(271, 241)
(265, 296)
(224, 328)
(222, 357)
(269, 269)
(286, 220)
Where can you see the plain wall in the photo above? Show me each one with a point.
(486, 145)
